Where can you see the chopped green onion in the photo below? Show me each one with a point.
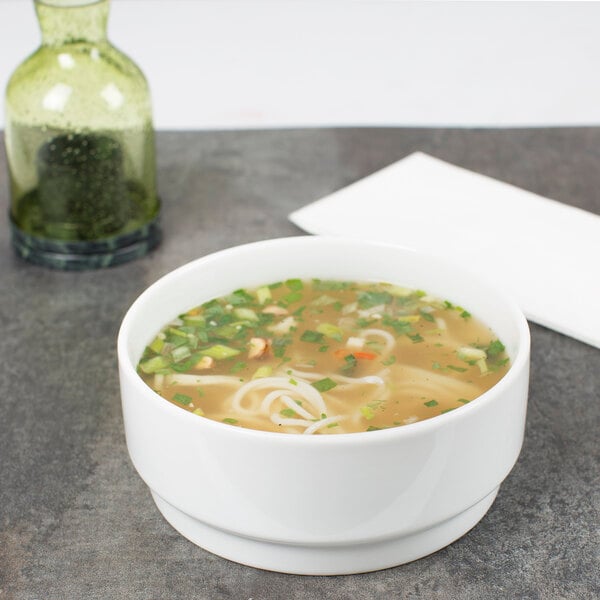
(157, 345)
(311, 336)
(467, 353)
(367, 412)
(288, 412)
(239, 366)
(262, 372)
(371, 299)
(431, 403)
(182, 399)
(330, 331)
(458, 369)
(263, 294)
(292, 297)
(198, 411)
(154, 364)
(323, 300)
(427, 316)
(246, 314)
(324, 385)
(219, 352)
(294, 284)
(494, 348)
(230, 421)
(390, 360)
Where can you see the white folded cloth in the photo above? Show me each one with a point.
(544, 253)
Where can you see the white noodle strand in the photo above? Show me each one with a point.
(390, 342)
(309, 393)
(322, 423)
(287, 400)
(187, 379)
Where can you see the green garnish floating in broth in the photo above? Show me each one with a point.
(323, 357)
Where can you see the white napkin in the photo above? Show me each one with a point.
(544, 253)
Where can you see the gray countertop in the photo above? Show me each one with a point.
(76, 521)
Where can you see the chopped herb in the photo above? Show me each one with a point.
(288, 412)
(431, 403)
(465, 314)
(400, 327)
(373, 428)
(416, 338)
(458, 369)
(494, 348)
(321, 285)
(448, 305)
(332, 425)
(362, 322)
(448, 410)
(239, 366)
(436, 365)
(294, 284)
(240, 297)
(292, 297)
(350, 363)
(279, 345)
(323, 348)
(182, 399)
(274, 286)
(199, 411)
(298, 312)
(427, 315)
(463, 400)
(371, 299)
(324, 385)
(311, 336)
(323, 416)
(293, 381)
(337, 306)
(230, 421)
(389, 361)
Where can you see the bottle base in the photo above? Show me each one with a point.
(81, 256)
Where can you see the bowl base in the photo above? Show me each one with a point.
(320, 559)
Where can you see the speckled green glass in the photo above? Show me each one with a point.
(80, 145)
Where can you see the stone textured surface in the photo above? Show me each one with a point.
(75, 519)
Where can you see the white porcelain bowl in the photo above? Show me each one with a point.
(332, 504)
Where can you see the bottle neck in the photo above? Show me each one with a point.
(72, 21)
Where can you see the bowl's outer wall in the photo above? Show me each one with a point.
(329, 489)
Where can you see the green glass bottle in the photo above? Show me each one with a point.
(80, 145)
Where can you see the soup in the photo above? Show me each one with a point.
(323, 357)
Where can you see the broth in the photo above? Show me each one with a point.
(323, 357)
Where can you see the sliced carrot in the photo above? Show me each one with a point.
(343, 352)
(367, 355)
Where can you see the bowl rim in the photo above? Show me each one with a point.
(518, 363)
